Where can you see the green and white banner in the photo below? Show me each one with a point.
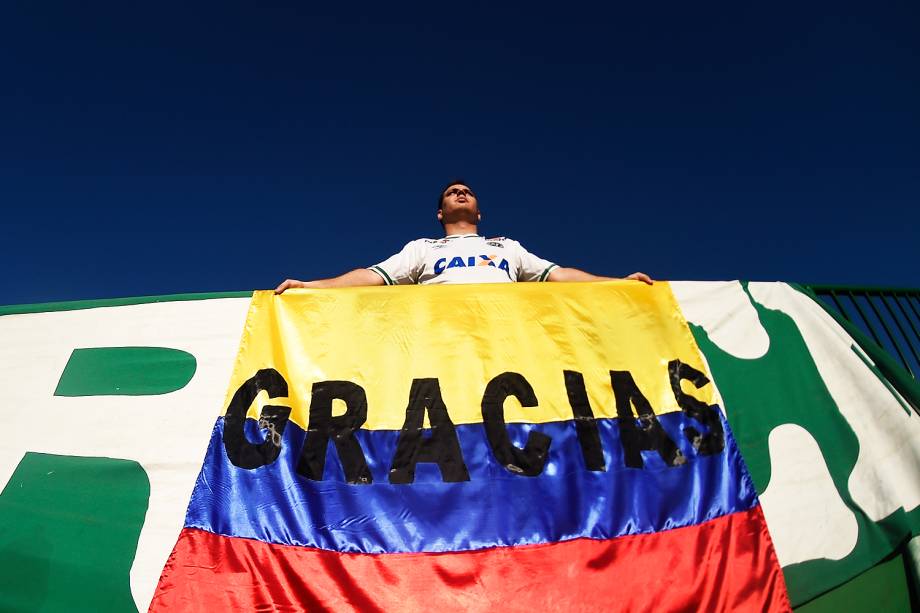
(834, 451)
(108, 408)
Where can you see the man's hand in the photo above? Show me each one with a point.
(573, 274)
(641, 276)
(288, 284)
(353, 278)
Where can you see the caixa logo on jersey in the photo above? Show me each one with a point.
(474, 260)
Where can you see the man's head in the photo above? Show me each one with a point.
(457, 203)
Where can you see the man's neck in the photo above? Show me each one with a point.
(461, 227)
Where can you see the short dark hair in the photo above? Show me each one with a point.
(448, 186)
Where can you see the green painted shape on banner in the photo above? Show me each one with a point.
(78, 305)
(784, 387)
(882, 588)
(125, 371)
(68, 533)
(875, 541)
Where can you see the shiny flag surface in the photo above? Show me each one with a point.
(472, 447)
(110, 407)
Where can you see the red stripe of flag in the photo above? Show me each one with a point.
(725, 564)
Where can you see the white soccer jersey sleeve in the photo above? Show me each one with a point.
(531, 267)
(403, 268)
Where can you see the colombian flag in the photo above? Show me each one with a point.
(449, 448)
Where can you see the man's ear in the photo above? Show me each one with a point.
(440, 216)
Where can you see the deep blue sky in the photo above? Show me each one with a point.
(148, 148)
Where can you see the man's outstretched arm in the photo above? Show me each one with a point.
(573, 274)
(353, 278)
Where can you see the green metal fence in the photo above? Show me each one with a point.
(885, 321)
(890, 316)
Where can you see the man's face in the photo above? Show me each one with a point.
(458, 203)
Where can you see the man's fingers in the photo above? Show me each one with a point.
(287, 284)
(641, 276)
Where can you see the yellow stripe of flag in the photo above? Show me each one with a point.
(464, 335)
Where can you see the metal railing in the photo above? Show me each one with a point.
(885, 323)
(889, 316)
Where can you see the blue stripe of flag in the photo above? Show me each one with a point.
(495, 508)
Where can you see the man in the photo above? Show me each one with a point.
(462, 256)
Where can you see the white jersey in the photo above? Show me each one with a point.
(463, 258)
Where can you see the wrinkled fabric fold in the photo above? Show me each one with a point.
(560, 449)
